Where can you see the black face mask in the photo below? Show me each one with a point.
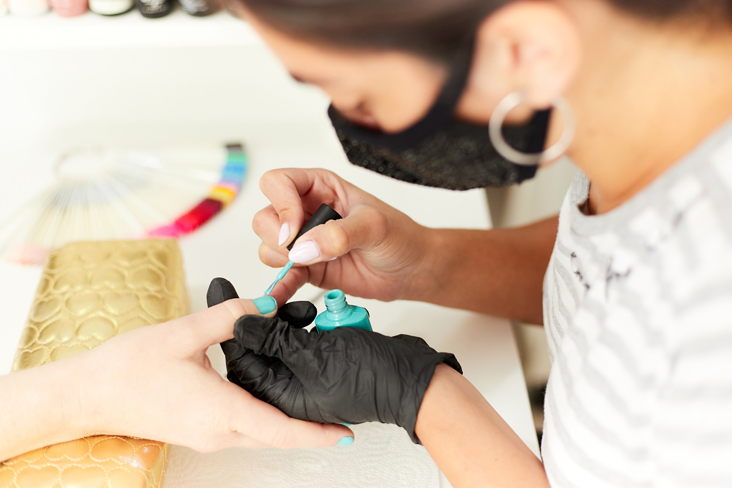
(441, 152)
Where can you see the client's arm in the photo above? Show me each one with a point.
(36, 408)
(469, 441)
(156, 383)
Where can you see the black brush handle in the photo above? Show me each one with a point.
(322, 215)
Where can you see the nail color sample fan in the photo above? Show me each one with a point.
(106, 194)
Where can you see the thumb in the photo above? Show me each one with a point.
(363, 228)
(216, 324)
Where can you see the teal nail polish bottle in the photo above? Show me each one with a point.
(340, 314)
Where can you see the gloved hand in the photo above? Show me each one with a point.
(346, 375)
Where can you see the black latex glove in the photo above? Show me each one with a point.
(346, 375)
(299, 314)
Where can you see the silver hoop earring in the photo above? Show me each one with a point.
(509, 103)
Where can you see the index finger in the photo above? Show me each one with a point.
(293, 191)
(213, 325)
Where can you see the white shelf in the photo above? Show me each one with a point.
(130, 30)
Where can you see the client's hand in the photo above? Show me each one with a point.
(344, 375)
(157, 383)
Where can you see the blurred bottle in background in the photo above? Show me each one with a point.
(28, 7)
(153, 9)
(199, 8)
(111, 7)
(69, 8)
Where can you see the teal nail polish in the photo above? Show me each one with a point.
(340, 314)
(346, 441)
(265, 304)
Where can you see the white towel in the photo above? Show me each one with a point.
(382, 456)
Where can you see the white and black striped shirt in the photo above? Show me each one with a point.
(638, 315)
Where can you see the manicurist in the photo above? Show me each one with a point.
(632, 281)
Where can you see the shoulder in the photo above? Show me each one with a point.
(685, 230)
(696, 260)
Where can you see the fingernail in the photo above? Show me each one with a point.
(265, 304)
(346, 441)
(284, 233)
(304, 252)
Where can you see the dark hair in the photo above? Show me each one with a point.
(711, 10)
(433, 28)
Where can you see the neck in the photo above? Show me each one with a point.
(646, 97)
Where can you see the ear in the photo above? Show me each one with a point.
(534, 46)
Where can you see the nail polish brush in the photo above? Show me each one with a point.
(322, 215)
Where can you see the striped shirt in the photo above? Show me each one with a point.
(638, 315)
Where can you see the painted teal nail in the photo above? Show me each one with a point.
(347, 425)
(265, 304)
(346, 441)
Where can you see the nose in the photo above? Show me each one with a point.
(359, 115)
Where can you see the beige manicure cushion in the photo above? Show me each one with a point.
(90, 292)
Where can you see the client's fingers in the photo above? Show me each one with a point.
(261, 422)
(194, 333)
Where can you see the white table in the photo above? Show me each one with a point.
(485, 346)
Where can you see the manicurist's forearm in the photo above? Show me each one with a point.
(469, 441)
(499, 272)
(37, 408)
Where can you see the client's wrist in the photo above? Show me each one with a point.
(51, 398)
(434, 406)
(81, 397)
